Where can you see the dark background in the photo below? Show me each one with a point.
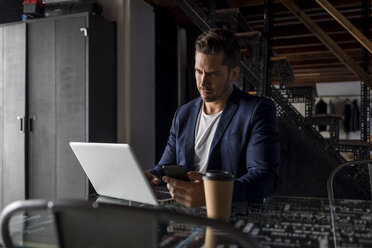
(11, 10)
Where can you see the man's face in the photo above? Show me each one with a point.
(212, 77)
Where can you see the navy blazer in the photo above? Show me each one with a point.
(246, 144)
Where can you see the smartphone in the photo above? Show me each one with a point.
(175, 171)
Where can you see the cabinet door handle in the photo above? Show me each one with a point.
(21, 123)
(85, 31)
(31, 123)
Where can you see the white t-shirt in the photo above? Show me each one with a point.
(204, 132)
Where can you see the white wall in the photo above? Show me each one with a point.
(339, 93)
(339, 89)
(339, 103)
(136, 75)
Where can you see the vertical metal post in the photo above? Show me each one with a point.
(309, 102)
(266, 58)
(365, 93)
(370, 177)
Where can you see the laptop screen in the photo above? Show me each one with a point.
(114, 171)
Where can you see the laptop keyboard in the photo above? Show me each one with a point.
(161, 195)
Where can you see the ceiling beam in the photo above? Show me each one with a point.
(331, 68)
(280, 22)
(319, 66)
(299, 30)
(304, 78)
(318, 61)
(320, 47)
(252, 3)
(324, 76)
(312, 39)
(255, 16)
(308, 44)
(328, 42)
(316, 54)
(346, 24)
(240, 3)
(325, 79)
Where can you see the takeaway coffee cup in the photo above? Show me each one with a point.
(218, 188)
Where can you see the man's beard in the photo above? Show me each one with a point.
(214, 97)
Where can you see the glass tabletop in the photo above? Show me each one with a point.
(94, 224)
(276, 222)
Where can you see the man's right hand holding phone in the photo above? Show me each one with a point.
(188, 193)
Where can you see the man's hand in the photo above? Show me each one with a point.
(152, 178)
(189, 194)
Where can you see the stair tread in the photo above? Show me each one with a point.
(326, 115)
(248, 34)
(345, 142)
(301, 86)
(278, 58)
(228, 11)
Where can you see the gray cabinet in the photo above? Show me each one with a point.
(12, 112)
(58, 78)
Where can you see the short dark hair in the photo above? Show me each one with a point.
(215, 41)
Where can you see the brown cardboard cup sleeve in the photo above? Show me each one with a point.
(218, 189)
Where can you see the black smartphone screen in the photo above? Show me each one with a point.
(175, 171)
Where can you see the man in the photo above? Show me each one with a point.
(224, 129)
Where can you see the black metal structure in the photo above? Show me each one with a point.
(300, 94)
(365, 114)
(281, 71)
(331, 197)
(267, 51)
(331, 120)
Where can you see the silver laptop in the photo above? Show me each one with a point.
(114, 171)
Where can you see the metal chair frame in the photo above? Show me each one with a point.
(331, 196)
(60, 206)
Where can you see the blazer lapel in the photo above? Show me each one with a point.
(227, 115)
(190, 135)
